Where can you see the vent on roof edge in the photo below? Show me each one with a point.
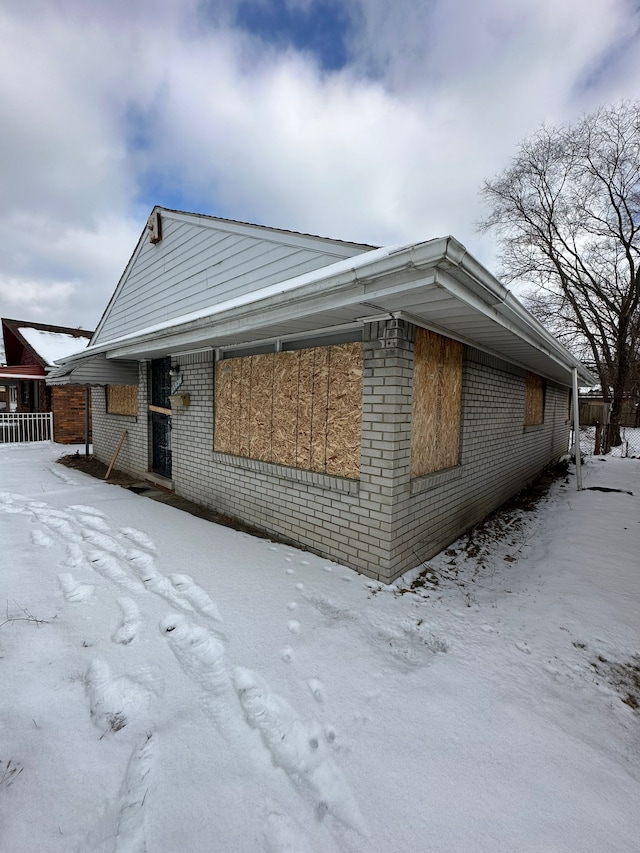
(154, 227)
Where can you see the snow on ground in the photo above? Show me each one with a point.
(188, 687)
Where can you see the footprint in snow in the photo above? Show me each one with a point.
(199, 653)
(94, 522)
(120, 823)
(107, 566)
(282, 835)
(74, 556)
(292, 605)
(297, 747)
(87, 510)
(523, 647)
(60, 526)
(144, 566)
(141, 539)
(115, 702)
(11, 508)
(130, 830)
(73, 590)
(488, 629)
(291, 571)
(130, 622)
(195, 596)
(287, 654)
(317, 689)
(40, 539)
(103, 542)
(293, 626)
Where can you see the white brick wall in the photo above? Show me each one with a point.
(382, 524)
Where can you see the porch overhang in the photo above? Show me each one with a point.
(94, 369)
(436, 285)
(21, 371)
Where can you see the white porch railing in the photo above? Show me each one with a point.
(23, 426)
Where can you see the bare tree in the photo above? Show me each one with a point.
(566, 213)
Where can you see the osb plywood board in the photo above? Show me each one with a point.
(285, 408)
(319, 408)
(261, 406)
(222, 422)
(344, 410)
(437, 391)
(122, 399)
(305, 409)
(301, 408)
(235, 402)
(244, 413)
(533, 399)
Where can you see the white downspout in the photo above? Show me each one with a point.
(576, 429)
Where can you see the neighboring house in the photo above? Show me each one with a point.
(368, 404)
(31, 351)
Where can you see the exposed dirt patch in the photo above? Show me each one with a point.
(92, 466)
(623, 676)
(501, 536)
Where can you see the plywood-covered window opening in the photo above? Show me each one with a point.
(437, 394)
(533, 399)
(301, 408)
(122, 400)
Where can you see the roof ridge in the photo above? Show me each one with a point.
(265, 227)
(14, 325)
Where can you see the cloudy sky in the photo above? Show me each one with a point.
(368, 120)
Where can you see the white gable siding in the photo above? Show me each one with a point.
(195, 266)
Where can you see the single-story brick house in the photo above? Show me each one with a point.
(31, 351)
(368, 404)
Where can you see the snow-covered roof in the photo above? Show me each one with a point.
(51, 346)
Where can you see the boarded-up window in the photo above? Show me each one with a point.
(533, 399)
(300, 408)
(437, 390)
(122, 399)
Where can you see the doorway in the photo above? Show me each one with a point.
(160, 412)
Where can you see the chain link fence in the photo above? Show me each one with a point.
(600, 438)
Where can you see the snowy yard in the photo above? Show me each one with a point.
(172, 685)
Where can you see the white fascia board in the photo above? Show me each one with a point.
(327, 281)
(366, 278)
(512, 316)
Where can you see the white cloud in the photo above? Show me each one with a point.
(98, 96)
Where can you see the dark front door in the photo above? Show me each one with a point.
(160, 417)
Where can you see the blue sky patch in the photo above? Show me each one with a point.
(321, 29)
